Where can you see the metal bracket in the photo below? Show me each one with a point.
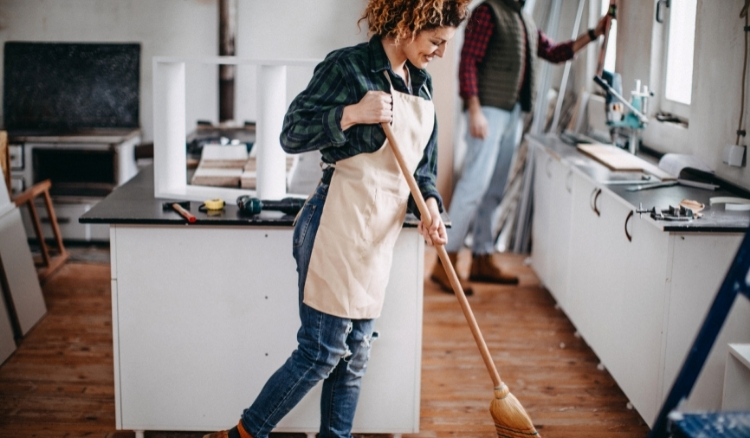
(671, 213)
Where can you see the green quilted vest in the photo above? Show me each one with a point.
(499, 75)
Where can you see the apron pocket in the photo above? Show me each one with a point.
(385, 216)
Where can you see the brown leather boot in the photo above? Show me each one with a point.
(237, 431)
(483, 270)
(440, 277)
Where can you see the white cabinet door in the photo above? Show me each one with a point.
(700, 263)
(635, 298)
(588, 255)
(540, 249)
(617, 290)
(560, 204)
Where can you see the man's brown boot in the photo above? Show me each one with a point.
(237, 431)
(483, 270)
(440, 277)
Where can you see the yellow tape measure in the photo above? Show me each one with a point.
(214, 204)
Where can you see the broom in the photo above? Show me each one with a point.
(511, 419)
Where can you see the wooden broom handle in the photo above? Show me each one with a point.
(443, 254)
(603, 49)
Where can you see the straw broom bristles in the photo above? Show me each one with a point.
(511, 419)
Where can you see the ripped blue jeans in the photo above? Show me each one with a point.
(332, 349)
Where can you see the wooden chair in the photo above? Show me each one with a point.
(49, 264)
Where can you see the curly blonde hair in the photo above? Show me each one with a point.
(403, 19)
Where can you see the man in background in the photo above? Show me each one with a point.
(499, 61)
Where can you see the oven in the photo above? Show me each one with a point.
(72, 114)
(82, 169)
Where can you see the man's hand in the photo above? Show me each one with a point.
(374, 107)
(434, 234)
(478, 125)
(602, 25)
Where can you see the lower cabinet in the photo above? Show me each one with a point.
(552, 233)
(617, 291)
(636, 294)
(203, 315)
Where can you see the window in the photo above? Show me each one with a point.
(679, 45)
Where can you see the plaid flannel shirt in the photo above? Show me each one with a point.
(313, 121)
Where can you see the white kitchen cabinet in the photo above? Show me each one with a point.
(637, 294)
(586, 255)
(699, 263)
(203, 315)
(551, 222)
(624, 299)
(542, 219)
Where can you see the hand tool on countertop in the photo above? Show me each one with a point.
(682, 182)
(181, 207)
(250, 205)
(679, 213)
(212, 207)
(645, 179)
(509, 415)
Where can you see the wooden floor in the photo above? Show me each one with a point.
(59, 383)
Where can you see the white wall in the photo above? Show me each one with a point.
(164, 27)
(267, 29)
(291, 29)
(717, 72)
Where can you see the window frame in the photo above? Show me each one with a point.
(667, 105)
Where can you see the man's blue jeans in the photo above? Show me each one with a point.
(332, 349)
(481, 185)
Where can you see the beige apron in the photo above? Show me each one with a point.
(363, 216)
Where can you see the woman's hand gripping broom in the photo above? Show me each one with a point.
(511, 419)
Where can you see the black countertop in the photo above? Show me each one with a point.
(134, 203)
(715, 218)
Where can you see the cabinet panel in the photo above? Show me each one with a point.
(560, 205)
(617, 291)
(541, 219)
(587, 254)
(175, 302)
(700, 262)
(636, 303)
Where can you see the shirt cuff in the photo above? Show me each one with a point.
(412, 204)
(332, 125)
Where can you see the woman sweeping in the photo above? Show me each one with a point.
(345, 234)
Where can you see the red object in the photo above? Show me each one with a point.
(184, 213)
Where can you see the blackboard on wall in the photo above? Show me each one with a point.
(66, 87)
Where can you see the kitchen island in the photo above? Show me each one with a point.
(203, 313)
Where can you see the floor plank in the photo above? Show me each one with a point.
(59, 383)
